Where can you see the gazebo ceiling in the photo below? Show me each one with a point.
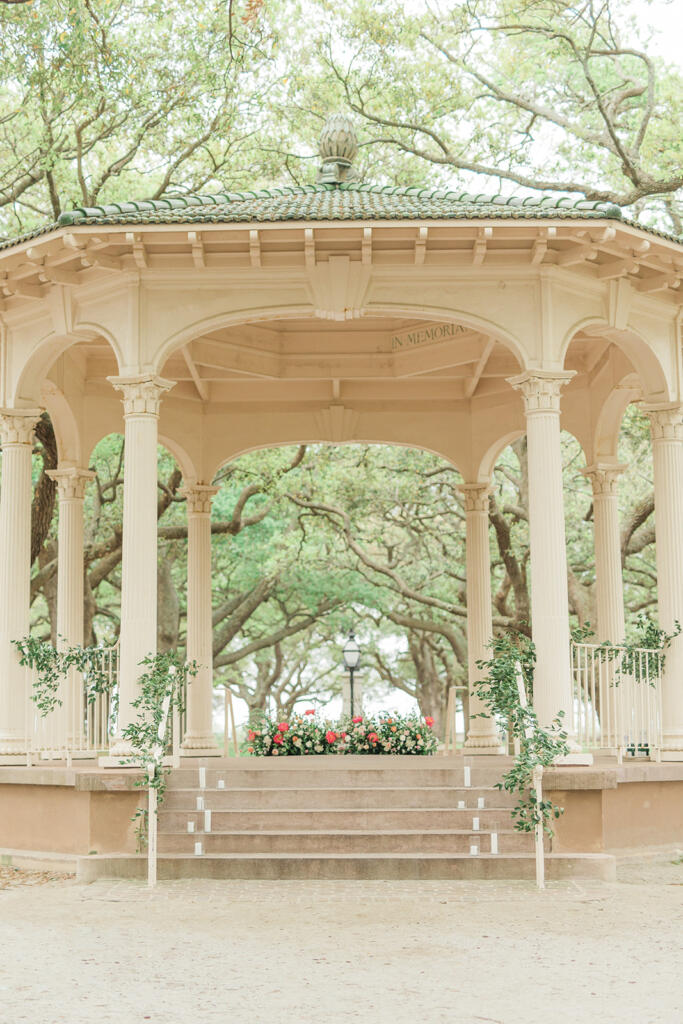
(313, 359)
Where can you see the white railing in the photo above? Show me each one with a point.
(618, 699)
(83, 724)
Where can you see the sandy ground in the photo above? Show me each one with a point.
(192, 952)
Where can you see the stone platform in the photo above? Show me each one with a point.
(347, 817)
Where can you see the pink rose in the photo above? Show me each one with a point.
(330, 736)
(283, 727)
(356, 719)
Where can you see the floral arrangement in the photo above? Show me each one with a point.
(307, 733)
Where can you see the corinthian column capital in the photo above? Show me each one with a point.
(476, 497)
(666, 422)
(141, 395)
(199, 498)
(604, 478)
(17, 425)
(71, 482)
(541, 389)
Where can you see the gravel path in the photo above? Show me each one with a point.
(204, 952)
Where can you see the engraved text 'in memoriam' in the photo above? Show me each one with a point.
(436, 332)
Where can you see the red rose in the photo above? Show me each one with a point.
(283, 727)
(429, 721)
(343, 735)
(330, 736)
(277, 739)
(357, 718)
(373, 737)
(311, 711)
(252, 734)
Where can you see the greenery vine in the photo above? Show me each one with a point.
(642, 657)
(498, 690)
(165, 675)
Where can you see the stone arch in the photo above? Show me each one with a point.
(469, 319)
(608, 423)
(645, 361)
(47, 351)
(64, 423)
(356, 441)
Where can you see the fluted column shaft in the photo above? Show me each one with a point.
(666, 425)
(482, 735)
(16, 435)
(199, 737)
(71, 484)
(549, 597)
(609, 583)
(141, 402)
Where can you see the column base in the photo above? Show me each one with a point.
(482, 745)
(200, 745)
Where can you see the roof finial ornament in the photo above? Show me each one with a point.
(337, 146)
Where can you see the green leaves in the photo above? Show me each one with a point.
(499, 691)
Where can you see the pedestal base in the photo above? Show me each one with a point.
(200, 746)
(481, 744)
(671, 755)
(472, 750)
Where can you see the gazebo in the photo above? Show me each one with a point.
(338, 312)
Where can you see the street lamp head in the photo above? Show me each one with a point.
(351, 651)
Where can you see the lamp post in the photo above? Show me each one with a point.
(351, 654)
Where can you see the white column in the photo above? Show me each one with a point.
(199, 739)
(71, 484)
(482, 736)
(16, 435)
(609, 583)
(549, 596)
(141, 401)
(666, 425)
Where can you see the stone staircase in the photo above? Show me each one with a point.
(352, 817)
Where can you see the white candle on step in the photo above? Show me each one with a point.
(221, 783)
(468, 781)
(200, 803)
(207, 821)
(190, 826)
(474, 850)
(197, 849)
(480, 802)
(202, 778)
(475, 824)
(461, 805)
(494, 842)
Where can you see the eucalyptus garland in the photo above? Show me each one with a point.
(499, 692)
(638, 659)
(165, 675)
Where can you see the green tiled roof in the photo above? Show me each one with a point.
(351, 201)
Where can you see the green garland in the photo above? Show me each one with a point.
(628, 656)
(499, 692)
(165, 675)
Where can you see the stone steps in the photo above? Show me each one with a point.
(383, 867)
(345, 820)
(352, 797)
(274, 773)
(334, 818)
(329, 843)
